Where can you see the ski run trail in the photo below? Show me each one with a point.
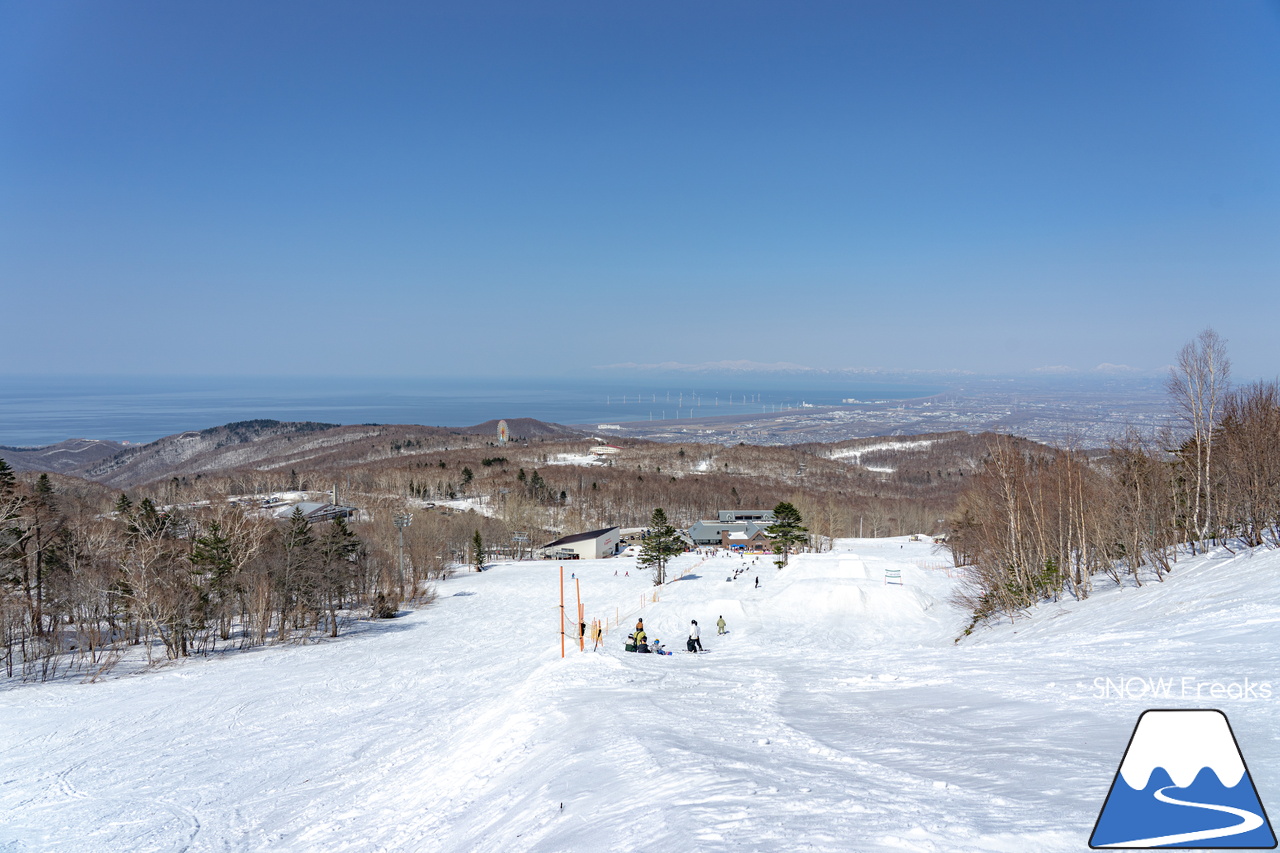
(838, 714)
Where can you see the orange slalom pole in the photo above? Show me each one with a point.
(562, 611)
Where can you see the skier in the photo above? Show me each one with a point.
(720, 626)
(757, 581)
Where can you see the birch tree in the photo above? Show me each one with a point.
(1198, 385)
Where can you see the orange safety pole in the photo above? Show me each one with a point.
(562, 611)
(582, 640)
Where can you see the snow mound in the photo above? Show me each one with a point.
(852, 605)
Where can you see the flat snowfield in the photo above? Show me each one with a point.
(837, 714)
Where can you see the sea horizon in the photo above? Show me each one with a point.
(43, 410)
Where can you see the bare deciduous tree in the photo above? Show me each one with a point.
(1198, 385)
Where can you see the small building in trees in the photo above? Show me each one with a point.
(314, 511)
(591, 545)
(606, 450)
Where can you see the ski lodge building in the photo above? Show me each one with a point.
(591, 545)
(746, 526)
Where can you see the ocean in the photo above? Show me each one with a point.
(41, 410)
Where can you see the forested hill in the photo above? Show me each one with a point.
(260, 444)
(524, 428)
(66, 457)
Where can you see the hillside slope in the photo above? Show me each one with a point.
(66, 457)
(837, 714)
(258, 444)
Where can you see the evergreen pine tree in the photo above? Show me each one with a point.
(477, 551)
(8, 481)
(296, 580)
(786, 531)
(339, 551)
(213, 567)
(661, 543)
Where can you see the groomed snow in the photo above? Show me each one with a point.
(856, 453)
(838, 714)
(575, 459)
(905, 444)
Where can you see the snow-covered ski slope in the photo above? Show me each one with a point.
(837, 715)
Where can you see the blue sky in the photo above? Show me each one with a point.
(540, 188)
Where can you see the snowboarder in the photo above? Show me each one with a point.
(695, 640)
(757, 581)
(720, 626)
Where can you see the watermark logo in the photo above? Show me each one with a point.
(1183, 782)
(1181, 687)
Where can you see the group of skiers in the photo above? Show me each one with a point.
(638, 640)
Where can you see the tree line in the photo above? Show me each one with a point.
(81, 582)
(1037, 523)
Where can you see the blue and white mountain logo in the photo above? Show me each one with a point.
(1183, 783)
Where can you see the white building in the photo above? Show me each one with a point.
(591, 545)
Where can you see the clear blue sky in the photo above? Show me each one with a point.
(540, 187)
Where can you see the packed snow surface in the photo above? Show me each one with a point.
(837, 714)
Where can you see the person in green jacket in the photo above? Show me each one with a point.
(720, 626)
